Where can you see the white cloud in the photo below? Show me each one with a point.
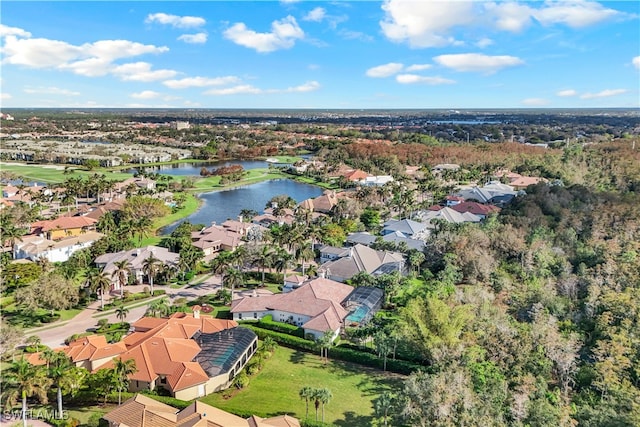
(426, 23)
(235, 90)
(484, 42)
(141, 72)
(13, 31)
(200, 82)
(5, 95)
(89, 59)
(418, 67)
(567, 92)
(249, 89)
(306, 87)
(513, 17)
(145, 94)
(39, 53)
(355, 35)
(414, 78)
(176, 21)
(315, 15)
(604, 93)
(573, 13)
(283, 35)
(52, 90)
(385, 70)
(535, 102)
(198, 38)
(477, 62)
(636, 62)
(313, 66)
(429, 23)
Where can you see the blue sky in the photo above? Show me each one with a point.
(321, 54)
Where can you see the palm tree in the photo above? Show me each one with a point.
(383, 405)
(158, 308)
(22, 379)
(325, 342)
(121, 312)
(122, 369)
(324, 395)
(233, 277)
(264, 259)
(122, 271)
(57, 366)
(150, 267)
(142, 227)
(98, 281)
(306, 393)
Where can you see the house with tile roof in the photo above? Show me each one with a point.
(361, 258)
(37, 247)
(218, 238)
(135, 259)
(143, 411)
(189, 355)
(475, 208)
(407, 227)
(431, 216)
(367, 239)
(315, 306)
(62, 227)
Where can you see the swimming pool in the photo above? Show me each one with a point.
(358, 314)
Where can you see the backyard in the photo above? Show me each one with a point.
(275, 389)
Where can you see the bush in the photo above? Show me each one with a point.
(267, 323)
(341, 353)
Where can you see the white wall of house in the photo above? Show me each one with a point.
(53, 255)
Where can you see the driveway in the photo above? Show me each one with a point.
(54, 335)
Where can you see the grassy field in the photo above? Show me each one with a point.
(51, 174)
(275, 389)
(191, 205)
(252, 176)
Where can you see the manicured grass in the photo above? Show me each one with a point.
(252, 176)
(275, 389)
(191, 204)
(55, 173)
(69, 314)
(286, 159)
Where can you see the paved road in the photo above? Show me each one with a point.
(54, 336)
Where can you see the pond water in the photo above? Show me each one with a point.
(186, 169)
(219, 206)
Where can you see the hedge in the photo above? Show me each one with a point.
(340, 353)
(167, 400)
(267, 323)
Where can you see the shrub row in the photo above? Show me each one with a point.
(341, 353)
(167, 400)
(267, 323)
(133, 297)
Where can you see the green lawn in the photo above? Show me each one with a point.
(191, 204)
(275, 389)
(55, 173)
(252, 176)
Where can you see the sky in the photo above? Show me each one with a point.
(320, 54)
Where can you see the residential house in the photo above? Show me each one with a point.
(293, 281)
(475, 208)
(376, 181)
(494, 193)
(322, 204)
(135, 259)
(143, 411)
(37, 247)
(361, 258)
(93, 352)
(189, 355)
(315, 306)
(367, 239)
(217, 238)
(437, 213)
(62, 227)
(406, 227)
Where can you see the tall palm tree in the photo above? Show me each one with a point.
(150, 267)
(158, 308)
(324, 395)
(121, 273)
(142, 227)
(22, 379)
(233, 277)
(121, 312)
(98, 281)
(264, 259)
(122, 369)
(306, 393)
(57, 366)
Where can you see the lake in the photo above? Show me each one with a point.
(219, 206)
(186, 169)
